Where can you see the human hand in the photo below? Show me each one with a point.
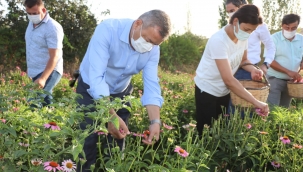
(40, 82)
(263, 67)
(118, 133)
(154, 132)
(257, 74)
(294, 75)
(262, 108)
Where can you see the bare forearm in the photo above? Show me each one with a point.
(248, 68)
(51, 64)
(276, 66)
(153, 112)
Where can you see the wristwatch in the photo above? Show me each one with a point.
(158, 121)
(266, 64)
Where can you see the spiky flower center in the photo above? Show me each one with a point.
(69, 165)
(53, 164)
(181, 151)
(52, 123)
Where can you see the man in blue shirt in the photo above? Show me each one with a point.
(44, 43)
(120, 48)
(287, 62)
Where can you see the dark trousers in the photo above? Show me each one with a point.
(208, 107)
(90, 145)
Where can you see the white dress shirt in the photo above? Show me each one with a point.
(261, 34)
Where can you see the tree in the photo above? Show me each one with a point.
(77, 21)
(222, 11)
(274, 10)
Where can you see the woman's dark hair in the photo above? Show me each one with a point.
(237, 3)
(247, 14)
(290, 18)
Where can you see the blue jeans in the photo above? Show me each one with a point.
(50, 83)
(241, 74)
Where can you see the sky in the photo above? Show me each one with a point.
(203, 18)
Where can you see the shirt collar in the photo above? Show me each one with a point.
(125, 33)
(284, 39)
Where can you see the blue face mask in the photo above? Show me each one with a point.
(241, 35)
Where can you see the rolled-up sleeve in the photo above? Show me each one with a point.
(95, 62)
(269, 45)
(152, 90)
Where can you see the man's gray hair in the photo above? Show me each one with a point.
(157, 18)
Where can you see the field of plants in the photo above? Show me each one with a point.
(49, 138)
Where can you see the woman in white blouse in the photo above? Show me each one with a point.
(225, 51)
(260, 35)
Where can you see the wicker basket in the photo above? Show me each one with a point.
(258, 89)
(295, 90)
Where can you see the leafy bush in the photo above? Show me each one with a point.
(272, 143)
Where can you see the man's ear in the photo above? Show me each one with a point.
(44, 10)
(138, 23)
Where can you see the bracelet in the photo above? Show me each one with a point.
(158, 121)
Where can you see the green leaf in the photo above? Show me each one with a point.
(115, 121)
(19, 153)
(76, 150)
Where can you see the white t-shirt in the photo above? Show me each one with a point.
(219, 46)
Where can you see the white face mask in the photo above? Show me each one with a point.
(241, 35)
(288, 34)
(141, 45)
(34, 18)
(230, 14)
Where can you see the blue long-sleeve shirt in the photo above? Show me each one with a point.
(110, 62)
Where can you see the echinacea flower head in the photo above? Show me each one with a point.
(36, 162)
(52, 125)
(68, 166)
(3, 120)
(285, 139)
(167, 126)
(263, 132)
(260, 113)
(146, 134)
(52, 166)
(275, 164)
(248, 126)
(181, 151)
(185, 111)
(138, 134)
(1, 157)
(226, 115)
(100, 132)
(296, 146)
(24, 144)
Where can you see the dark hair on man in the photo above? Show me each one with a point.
(237, 3)
(31, 3)
(247, 14)
(290, 18)
(157, 18)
